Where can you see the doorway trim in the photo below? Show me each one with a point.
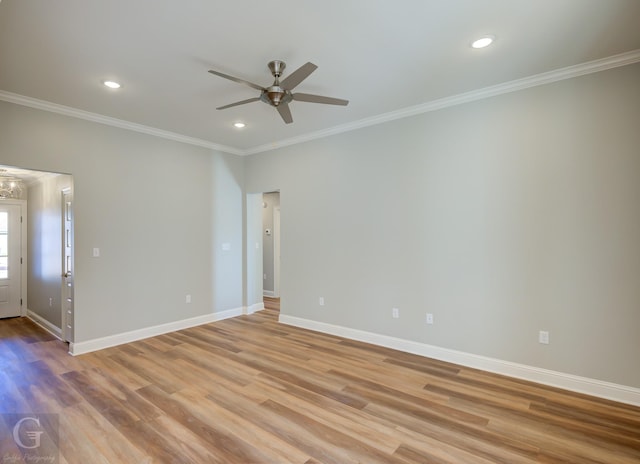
(67, 214)
(276, 252)
(24, 256)
(253, 261)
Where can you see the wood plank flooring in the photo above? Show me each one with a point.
(251, 390)
(271, 303)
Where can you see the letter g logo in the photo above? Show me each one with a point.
(34, 436)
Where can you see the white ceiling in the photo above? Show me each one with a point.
(383, 56)
(28, 176)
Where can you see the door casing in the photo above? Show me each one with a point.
(67, 299)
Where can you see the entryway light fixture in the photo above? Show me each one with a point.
(10, 187)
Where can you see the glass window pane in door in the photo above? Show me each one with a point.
(4, 241)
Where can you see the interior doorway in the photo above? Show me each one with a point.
(271, 244)
(263, 283)
(42, 255)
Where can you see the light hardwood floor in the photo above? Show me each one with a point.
(250, 390)
(271, 303)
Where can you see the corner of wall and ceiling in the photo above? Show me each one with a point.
(569, 72)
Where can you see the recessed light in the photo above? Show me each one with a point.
(112, 84)
(239, 125)
(483, 41)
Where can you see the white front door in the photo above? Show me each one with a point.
(10, 261)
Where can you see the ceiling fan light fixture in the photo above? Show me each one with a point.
(483, 42)
(275, 95)
(279, 93)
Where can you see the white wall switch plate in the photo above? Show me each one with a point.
(543, 337)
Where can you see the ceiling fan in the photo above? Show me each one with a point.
(279, 93)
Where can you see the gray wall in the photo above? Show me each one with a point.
(272, 201)
(502, 217)
(158, 210)
(44, 239)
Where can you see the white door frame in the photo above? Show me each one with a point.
(66, 329)
(25, 258)
(276, 252)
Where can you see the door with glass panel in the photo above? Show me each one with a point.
(10, 260)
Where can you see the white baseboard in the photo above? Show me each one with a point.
(135, 335)
(269, 293)
(254, 308)
(607, 390)
(45, 324)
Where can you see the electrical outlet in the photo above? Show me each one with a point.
(187, 299)
(50, 302)
(543, 337)
(429, 319)
(395, 312)
(321, 301)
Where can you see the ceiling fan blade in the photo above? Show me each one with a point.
(307, 97)
(297, 76)
(249, 100)
(285, 112)
(236, 79)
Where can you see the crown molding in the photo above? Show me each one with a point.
(569, 72)
(109, 121)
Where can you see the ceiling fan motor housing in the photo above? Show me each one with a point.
(275, 95)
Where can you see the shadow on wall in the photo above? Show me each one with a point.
(227, 232)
